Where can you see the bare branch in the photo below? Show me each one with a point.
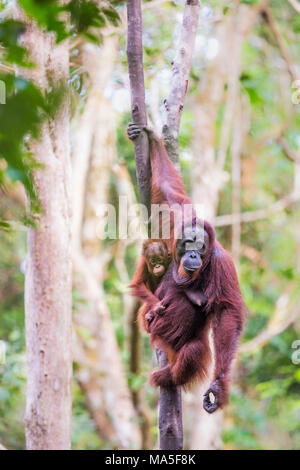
(252, 216)
(294, 157)
(180, 77)
(281, 44)
(285, 314)
(295, 4)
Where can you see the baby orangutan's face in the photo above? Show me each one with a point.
(157, 258)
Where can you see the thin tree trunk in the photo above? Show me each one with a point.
(284, 50)
(181, 67)
(206, 107)
(48, 283)
(137, 88)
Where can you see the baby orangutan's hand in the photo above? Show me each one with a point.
(158, 308)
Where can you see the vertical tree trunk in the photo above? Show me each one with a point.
(170, 413)
(48, 283)
(137, 88)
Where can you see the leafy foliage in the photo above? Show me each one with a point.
(85, 15)
(10, 30)
(26, 108)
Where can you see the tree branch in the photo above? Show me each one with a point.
(285, 314)
(294, 157)
(180, 77)
(281, 44)
(295, 4)
(252, 216)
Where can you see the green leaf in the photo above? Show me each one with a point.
(249, 2)
(47, 13)
(84, 15)
(4, 225)
(10, 31)
(111, 15)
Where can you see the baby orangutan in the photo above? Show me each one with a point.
(153, 264)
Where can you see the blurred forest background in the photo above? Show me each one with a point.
(239, 148)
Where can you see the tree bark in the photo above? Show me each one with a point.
(48, 283)
(138, 108)
(181, 67)
(170, 413)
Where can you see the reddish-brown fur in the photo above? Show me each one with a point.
(144, 283)
(184, 326)
(163, 191)
(210, 298)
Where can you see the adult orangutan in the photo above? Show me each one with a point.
(163, 193)
(199, 291)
